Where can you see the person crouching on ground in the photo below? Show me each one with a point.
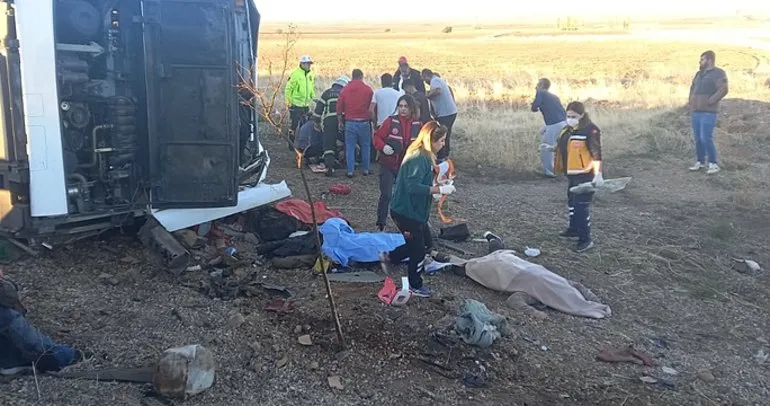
(392, 139)
(579, 156)
(309, 142)
(412, 197)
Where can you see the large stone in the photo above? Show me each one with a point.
(184, 371)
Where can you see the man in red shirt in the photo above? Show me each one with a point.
(353, 109)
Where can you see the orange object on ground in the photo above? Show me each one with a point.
(450, 174)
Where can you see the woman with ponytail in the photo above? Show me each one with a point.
(412, 198)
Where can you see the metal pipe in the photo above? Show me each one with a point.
(95, 156)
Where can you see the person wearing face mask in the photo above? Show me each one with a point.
(412, 198)
(392, 138)
(579, 156)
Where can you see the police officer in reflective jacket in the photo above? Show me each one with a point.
(325, 113)
(579, 156)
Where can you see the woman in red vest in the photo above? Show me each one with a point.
(391, 140)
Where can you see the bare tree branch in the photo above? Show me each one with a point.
(267, 97)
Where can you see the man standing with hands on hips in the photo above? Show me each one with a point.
(708, 87)
(554, 116)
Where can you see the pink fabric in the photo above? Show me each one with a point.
(300, 210)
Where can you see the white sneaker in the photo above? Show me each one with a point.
(713, 168)
(698, 166)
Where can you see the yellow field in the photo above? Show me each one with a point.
(628, 79)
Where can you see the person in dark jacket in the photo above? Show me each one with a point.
(325, 114)
(406, 73)
(426, 110)
(412, 198)
(579, 156)
(392, 139)
(554, 115)
(309, 141)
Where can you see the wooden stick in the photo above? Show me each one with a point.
(332, 305)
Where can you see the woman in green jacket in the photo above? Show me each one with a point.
(412, 198)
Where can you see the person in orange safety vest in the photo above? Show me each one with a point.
(579, 156)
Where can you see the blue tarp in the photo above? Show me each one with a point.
(342, 244)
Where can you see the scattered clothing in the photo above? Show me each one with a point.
(628, 354)
(295, 262)
(476, 325)
(270, 224)
(342, 244)
(300, 210)
(290, 247)
(503, 271)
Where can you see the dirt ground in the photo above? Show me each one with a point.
(663, 262)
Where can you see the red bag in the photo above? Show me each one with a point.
(340, 189)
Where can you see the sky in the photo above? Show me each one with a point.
(495, 10)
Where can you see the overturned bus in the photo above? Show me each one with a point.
(112, 110)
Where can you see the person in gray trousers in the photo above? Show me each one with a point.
(554, 116)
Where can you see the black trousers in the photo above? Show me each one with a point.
(330, 137)
(580, 207)
(295, 115)
(448, 122)
(414, 248)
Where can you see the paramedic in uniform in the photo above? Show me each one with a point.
(392, 140)
(579, 156)
(325, 113)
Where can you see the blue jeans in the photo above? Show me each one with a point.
(360, 133)
(703, 124)
(21, 345)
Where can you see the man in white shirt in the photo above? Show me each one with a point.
(384, 100)
(443, 100)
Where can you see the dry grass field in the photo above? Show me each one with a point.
(665, 259)
(628, 78)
